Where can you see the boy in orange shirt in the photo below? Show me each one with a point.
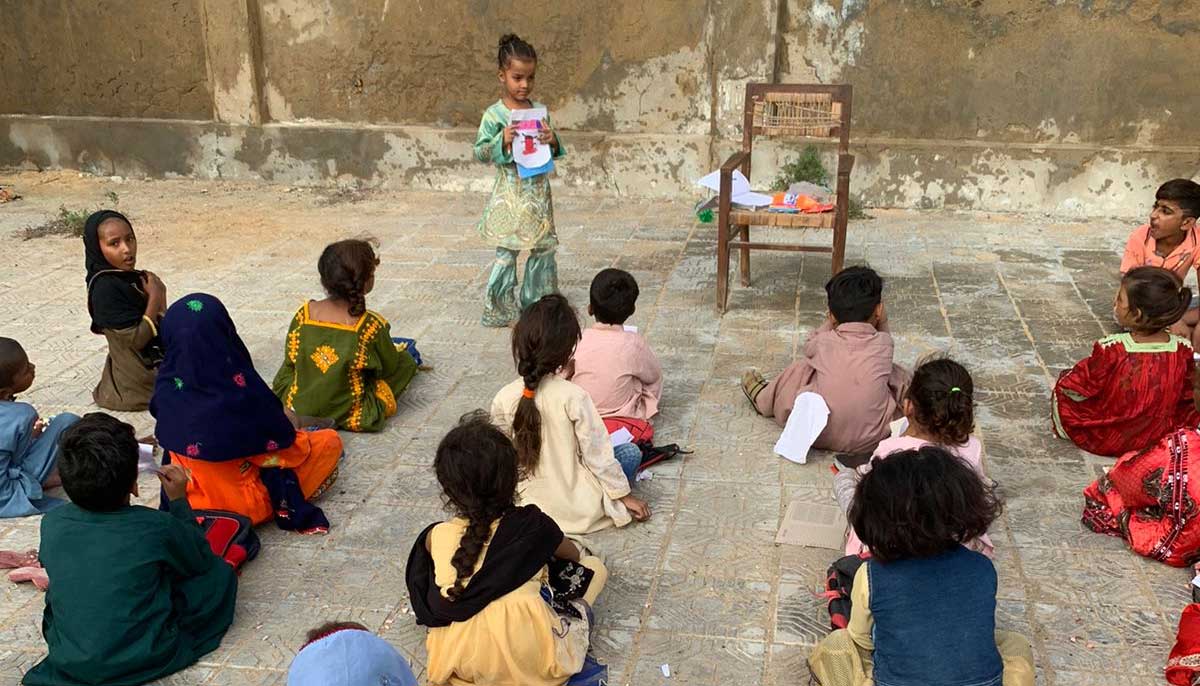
(1170, 241)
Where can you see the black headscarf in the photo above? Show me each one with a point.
(115, 297)
(524, 542)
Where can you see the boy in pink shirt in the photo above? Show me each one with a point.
(848, 362)
(1169, 241)
(613, 363)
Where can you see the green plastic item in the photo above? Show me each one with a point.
(705, 216)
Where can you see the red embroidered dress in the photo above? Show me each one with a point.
(1126, 395)
(1150, 497)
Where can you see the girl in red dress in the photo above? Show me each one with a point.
(1136, 386)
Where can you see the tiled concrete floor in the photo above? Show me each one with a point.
(701, 587)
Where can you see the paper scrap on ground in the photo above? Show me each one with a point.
(740, 193)
(620, 437)
(807, 421)
(146, 460)
(644, 475)
(812, 525)
(666, 670)
(631, 328)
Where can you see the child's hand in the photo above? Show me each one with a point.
(546, 135)
(174, 481)
(637, 507)
(510, 132)
(39, 425)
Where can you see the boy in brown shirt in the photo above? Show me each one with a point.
(848, 362)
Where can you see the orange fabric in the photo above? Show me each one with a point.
(1140, 252)
(234, 485)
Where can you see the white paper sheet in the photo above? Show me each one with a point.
(620, 437)
(535, 153)
(740, 193)
(631, 328)
(804, 425)
(147, 462)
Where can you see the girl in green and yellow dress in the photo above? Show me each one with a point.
(520, 213)
(340, 361)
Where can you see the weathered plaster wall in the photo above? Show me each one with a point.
(113, 58)
(1075, 106)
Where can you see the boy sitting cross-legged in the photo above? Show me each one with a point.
(135, 594)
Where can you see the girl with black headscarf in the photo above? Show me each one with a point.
(126, 305)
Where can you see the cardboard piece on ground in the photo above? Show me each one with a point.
(813, 525)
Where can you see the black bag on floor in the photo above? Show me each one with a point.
(838, 583)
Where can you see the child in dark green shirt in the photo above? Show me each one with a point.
(135, 594)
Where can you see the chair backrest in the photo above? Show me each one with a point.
(797, 111)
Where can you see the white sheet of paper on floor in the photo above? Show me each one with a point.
(644, 475)
(666, 670)
(899, 426)
(620, 437)
(804, 425)
(813, 525)
(631, 328)
(147, 463)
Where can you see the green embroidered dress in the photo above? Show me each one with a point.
(135, 594)
(520, 213)
(351, 374)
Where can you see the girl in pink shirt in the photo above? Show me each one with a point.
(940, 409)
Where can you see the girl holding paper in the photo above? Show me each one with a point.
(520, 213)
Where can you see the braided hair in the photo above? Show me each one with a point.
(476, 466)
(511, 46)
(1156, 296)
(943, 400)
(346, 268)
(543, 342)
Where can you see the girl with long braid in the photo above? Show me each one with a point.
(506, 596)
(339, 361)
(566, 459)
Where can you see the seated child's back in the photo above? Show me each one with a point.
(923, 606)
(135, 594)
(614, 365)
(848, 362)
(1135, 386)
(339, 360)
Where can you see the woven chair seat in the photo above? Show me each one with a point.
(823, 220)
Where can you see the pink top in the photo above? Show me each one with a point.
(619, 371)
(971, 452)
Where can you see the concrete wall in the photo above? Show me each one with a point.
(1076, 106)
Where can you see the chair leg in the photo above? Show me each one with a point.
(839, 245)
(744, 260)
(722, 266)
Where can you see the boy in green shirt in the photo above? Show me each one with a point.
(135, 594)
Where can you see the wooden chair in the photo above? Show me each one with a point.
(786, 111)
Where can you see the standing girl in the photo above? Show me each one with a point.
(507, 598)
(940, 408)
(520, 213)
(1136, 386)
(923, 607)
(568, 466)
(126, 305)
(340, 361)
